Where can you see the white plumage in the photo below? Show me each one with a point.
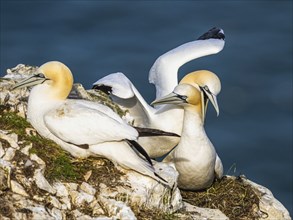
(163, 75)
(195, 157)
(82, 128)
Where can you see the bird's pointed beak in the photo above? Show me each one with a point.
(213, 99)
(30, 81)
(172, 98)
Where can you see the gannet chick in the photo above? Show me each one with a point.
(195, 157)
(163, 75)
(81, 127)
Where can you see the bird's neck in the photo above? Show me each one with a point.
(41, 100)
(61, 89)
(194, 140)
(193, 124)
(164, 72)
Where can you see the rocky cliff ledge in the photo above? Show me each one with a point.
(38, 180)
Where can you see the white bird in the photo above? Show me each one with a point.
(164, 75)
(195, 157)
(81, 127)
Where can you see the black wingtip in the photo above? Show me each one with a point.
(105, 89)
(161, 178)
(149, 132)
(214, 33)
(140, 150)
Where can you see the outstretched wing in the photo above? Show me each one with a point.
(126, 95)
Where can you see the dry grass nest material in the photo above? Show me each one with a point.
(235, 198)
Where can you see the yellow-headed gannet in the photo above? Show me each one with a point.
(195, 157)
(81, 127)
(164, 75)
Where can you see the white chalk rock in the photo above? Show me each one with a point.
(23, 180)
(10, 138)
(54, 202)
(271, 207)
(9, 154)
(35, 158)
(26, 149)
(149, 193)
(60, 189)
(80, 216)
(28, 163)
(87, 188)
(2, 152)
(39, 212)
(56, 214)
(97, 209)
(66, 203)
(81, 198)
(20, 71)
(5, 171)
(117, 209)
(42, 183)
(39, 198)
(4, 183)
(204, 213)
(71, 186)
(17, 188)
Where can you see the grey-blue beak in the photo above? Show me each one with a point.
(30, 81)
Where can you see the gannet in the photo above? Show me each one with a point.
(195, 157)
(81, 127)
(163, 75)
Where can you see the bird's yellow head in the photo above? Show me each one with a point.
(59, 77)
(56, 75)
(204, 79)
(209, 85)
(195, 89)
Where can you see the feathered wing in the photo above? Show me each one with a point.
(125, 94)
(119, 85)
(81, 122)
(219, 170)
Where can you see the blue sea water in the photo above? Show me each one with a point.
(252, 135)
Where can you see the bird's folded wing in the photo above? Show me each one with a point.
(82, 122)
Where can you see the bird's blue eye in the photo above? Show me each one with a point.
(183, 97)
(41, 75)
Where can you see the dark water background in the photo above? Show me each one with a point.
(95, 38)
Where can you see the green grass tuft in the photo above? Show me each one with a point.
(11, 121)
(59, 164)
